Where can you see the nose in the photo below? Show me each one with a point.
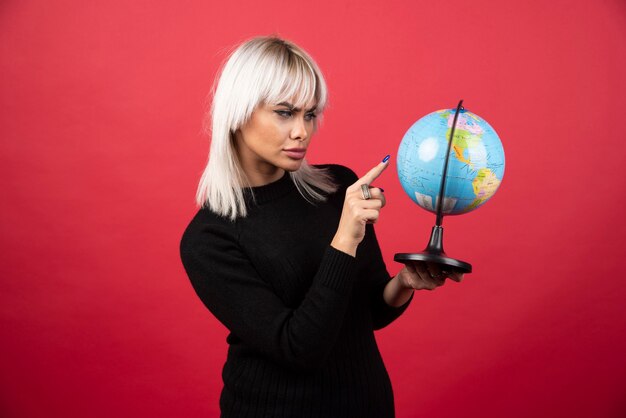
(298, 130)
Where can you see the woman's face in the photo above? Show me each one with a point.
(274, 140)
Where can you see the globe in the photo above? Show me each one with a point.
(475, 168)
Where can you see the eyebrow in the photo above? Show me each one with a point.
(295, 109)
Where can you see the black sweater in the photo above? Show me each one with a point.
(301, 314)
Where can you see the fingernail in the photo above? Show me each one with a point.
(386, 158)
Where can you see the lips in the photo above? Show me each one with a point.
(295, 153)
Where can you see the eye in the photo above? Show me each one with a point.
(310, 116)
(284, 113)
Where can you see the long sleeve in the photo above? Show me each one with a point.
(231, 288)
(382, 313)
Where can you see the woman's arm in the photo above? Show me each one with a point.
(395, 294)
(231, 288)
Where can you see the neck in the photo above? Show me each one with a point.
(262, 176)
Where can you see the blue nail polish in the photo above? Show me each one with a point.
(386, 158)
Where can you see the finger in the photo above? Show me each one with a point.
(457, 277)
(438, 281)
(373, 173)
(359, 206)
(453, 274)
(432, 284)
(370, 215)
(434, 271)
(420, 278)
(411, 268)
(377, 193)
(422, 271)
(420, 267)
(372, 204)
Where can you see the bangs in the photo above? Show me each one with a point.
(294, 81)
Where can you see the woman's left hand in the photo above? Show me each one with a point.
(420, 275)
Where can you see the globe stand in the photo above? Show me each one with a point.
(433, 253)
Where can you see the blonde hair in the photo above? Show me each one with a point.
(260, 70)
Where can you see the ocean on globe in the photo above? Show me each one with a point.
(475, 168)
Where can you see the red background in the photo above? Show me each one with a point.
(100, 126)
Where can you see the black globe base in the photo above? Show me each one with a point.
(434, 254)
(451, 263)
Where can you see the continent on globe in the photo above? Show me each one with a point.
(485, 185)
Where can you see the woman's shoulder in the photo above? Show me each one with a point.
(342, 175)
(206, 223)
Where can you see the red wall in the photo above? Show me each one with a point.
(100, 119)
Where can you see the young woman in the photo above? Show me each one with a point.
(284, 254)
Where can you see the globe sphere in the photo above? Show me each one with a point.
(475, 168)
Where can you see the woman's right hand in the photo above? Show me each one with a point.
(358, 212)
(420, 275)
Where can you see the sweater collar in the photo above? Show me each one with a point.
(271, 191)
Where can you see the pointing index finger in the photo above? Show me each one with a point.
(374, 172)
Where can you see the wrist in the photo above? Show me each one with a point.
(345, 245)
(403, 282)
(396, 292)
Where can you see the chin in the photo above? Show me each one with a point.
(292, 166)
